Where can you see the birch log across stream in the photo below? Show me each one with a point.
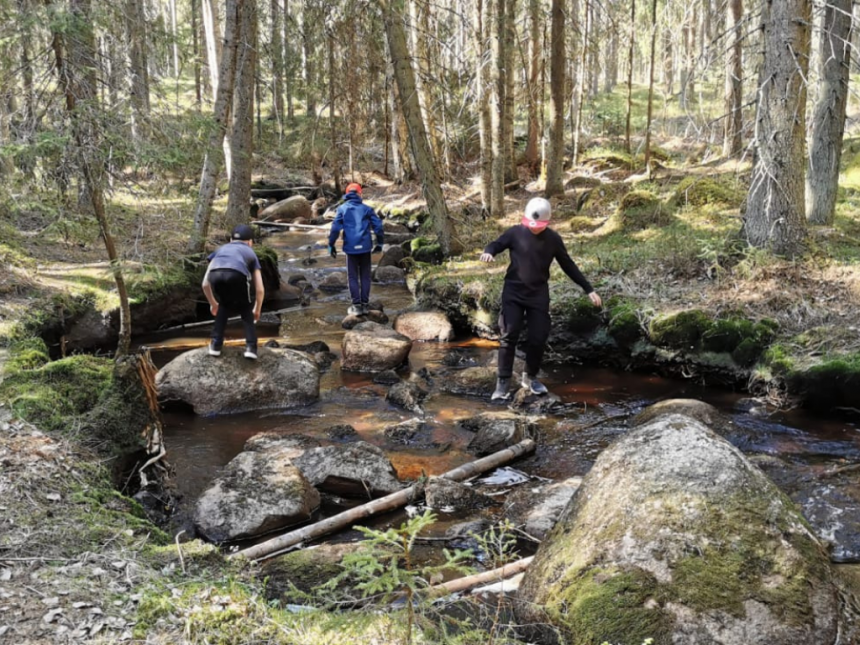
(281, 543)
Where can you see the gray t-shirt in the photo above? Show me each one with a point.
(237, 256)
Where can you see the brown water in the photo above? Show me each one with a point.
(567, 446)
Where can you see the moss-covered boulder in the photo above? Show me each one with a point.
(624, 322)
(640, 209)
(675, 536)
(679, 330)
(726, 192)
(584, 316)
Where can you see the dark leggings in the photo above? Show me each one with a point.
(358, 271)
(517, 308)
(233, 292)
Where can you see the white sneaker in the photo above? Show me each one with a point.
(354, 310)
(214, 350)
(250, 352)
(533, 385)
(501, 392)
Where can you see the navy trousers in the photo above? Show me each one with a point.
(358, 272)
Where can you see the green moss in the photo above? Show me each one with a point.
(624, 320)
(610, 604)
(604, 199)
(681, 330)
(583, 315)
(52, 394)
(704, 191)
(779, 360)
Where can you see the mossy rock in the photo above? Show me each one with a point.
(675, 533)
(295, 578)
(681, 330)
(603, 200)
(425, 250)
(705, 191)
(584, 316)
(640, 209)
(742, 338)
(52, 394)
(268, 258)
(624, 321)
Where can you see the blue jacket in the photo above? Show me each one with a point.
(355, 219)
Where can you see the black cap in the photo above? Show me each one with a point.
(242, 232)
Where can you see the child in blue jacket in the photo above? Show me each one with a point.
(356, 219)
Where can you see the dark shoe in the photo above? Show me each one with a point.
(214, 348)
(251, 352)
(533, 385)
(364, 309)
(501, 391)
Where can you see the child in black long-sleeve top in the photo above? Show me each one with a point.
(533, 246)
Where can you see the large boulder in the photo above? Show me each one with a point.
(496, 431)
(449, 496)
(393, 257)
(676, 536)
(371, 347)
(389, 275)
(425, 325)
(286, 295)
(473, 381)
(231, 383)
(334, 281)
(407, 395)
(288, 209)
(354, 470)
(259, 491)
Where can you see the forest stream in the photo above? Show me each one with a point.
(798, 449)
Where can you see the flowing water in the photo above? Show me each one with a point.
(807, 444)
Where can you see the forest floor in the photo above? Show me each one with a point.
(131, 583)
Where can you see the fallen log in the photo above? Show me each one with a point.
(277, 545)
(467, 582)
(312, 227)
(204, 323)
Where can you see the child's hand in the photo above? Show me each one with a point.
(213, 309)
(486, 257)
(332, 251)
(595, 299)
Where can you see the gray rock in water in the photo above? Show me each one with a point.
(259, 491)
(393, 257)
(351, 321)
(342, 432)
(496, 431)
(387, 377)
(389, 275)
(371, 347)
(535, 509)
(425, 325)
(450, 496)
(354, 470)
(475, 381)
(407, 395)
(230, 383)
(287, 209)
(335, 281)
(675, 535)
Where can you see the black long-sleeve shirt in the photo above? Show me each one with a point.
(531, 257)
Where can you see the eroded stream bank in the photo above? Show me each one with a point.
(808, 455)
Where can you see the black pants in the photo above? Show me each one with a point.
(358, 272)
(235, 296)
(519, 307)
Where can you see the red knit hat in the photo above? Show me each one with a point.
(354, 188)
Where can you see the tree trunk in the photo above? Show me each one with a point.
(732, 132)
(420, 22)
(774, 218)
(27, 129)
(277, 64)
(173, 33)
(195, 49)
(77, 80)
(511, 173)
(309, 24)
(404, 75)
(581, 84)
(828, 121)
(242, 141)
(334, 156)
(496, 32)
(485, 125)
(630, 75)
(534, 103)
(650, 114)
(138, 68)
(555, 162)
(221, 110)
(212, 32)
